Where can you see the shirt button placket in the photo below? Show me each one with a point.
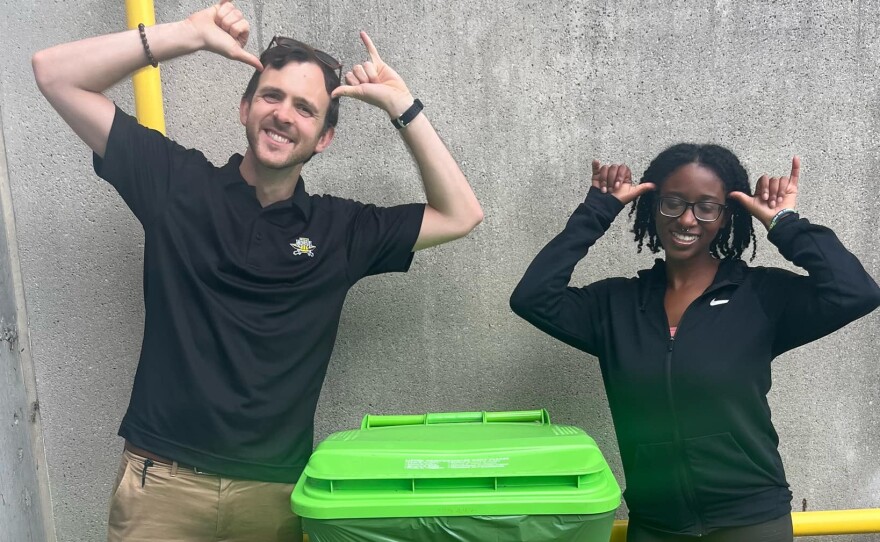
(254, 249)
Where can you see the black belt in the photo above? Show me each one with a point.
(163, 460)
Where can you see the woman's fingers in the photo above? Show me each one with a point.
(773, 191)
(795, 170)
(624, 175)
(762, 190)
(610, 177)
(781, 190)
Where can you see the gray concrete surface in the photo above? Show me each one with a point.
(25, 514)
(526, 94)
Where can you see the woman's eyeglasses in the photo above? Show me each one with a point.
(704, 211)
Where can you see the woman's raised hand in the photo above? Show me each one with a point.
(616, 179)
(772, 194)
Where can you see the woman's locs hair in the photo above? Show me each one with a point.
(736, 234)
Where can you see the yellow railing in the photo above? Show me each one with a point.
(820, 523)
(827, 522)
(147, 83)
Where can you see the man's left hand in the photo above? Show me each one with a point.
(376, 83)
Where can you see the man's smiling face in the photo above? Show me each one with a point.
(284, 120)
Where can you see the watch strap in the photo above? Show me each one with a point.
(403, 120)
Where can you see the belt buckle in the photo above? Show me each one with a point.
(201, 472)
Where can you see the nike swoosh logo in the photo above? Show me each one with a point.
(718, 302)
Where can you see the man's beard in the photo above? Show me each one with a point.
(290, 162)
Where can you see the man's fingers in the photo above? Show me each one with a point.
(240, 31)
(361, 74)
(371, 71)
(351, 91)
(371, 49)
(243, 56)
(230, 19)
(795, 169)
(596, 164)
(223, 9)
(351, 80)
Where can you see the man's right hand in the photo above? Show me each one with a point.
(616, 179)
(225, 32)
(73, 76)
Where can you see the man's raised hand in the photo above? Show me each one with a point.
(375, 83)
(225, 32)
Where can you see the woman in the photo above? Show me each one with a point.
(685, 347)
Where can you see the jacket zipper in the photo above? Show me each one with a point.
(678, 442)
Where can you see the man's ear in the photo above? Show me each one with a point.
(244, 108)
(325, 139)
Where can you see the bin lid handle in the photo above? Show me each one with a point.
(511, 416)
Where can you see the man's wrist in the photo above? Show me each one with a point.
(408, 116)
(399, 105)
(171, 40)
(191, 38)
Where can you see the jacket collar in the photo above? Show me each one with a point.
(653, 281)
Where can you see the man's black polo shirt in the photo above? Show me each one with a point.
(242, 303)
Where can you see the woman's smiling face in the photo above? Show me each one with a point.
(685, 237)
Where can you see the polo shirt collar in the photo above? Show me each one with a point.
(231, 175)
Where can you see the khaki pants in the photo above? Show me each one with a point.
(176, 504)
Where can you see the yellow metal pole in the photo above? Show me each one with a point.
(146, 82)
(819, 523)
(827, 522)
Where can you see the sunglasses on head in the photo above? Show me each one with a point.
(324, 58)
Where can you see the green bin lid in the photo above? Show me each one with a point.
(456, 464)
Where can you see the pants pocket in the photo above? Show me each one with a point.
(120, 474)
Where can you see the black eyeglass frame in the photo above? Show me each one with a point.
(321, 56)
(691, 206)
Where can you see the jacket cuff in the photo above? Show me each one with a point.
(605, 204)
(786, 229)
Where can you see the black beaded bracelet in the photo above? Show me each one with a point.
(150, 57)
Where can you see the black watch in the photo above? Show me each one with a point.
(408, 115)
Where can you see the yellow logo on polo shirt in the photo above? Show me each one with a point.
(303, 245)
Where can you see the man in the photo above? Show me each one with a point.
(245, 273)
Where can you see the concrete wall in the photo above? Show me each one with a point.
(526, 94)
(24, 512)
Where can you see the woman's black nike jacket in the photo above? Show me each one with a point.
(691, 415)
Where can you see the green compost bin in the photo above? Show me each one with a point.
(458, 476)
